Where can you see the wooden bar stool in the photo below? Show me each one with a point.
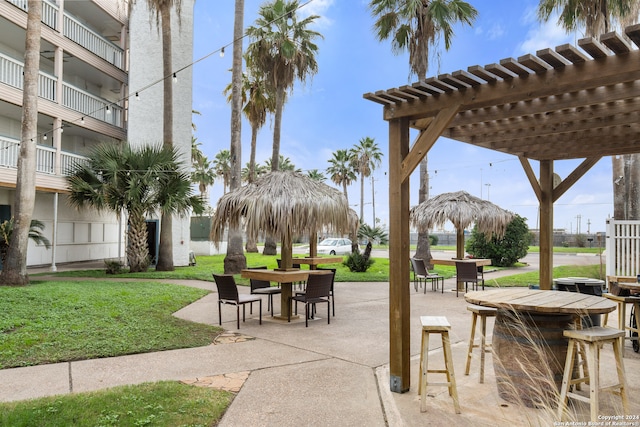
(593, 339)
(483, 312)
(436, 325)
(622, 302)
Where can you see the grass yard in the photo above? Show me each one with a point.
(159, 404)
(49, 322)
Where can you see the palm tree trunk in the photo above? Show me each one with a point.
(235, 260)
(362, 198)
(423, 249)
(252, 245)
(165, 250)
(270, 245)
(14, 270)
(626, 187)
(137, 248)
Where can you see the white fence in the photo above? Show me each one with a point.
(623, 248)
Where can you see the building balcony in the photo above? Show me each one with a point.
(82, 34)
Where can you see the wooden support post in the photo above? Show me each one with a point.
(546, 224)
(399, 303)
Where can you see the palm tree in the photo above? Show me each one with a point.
(283, 50)
(284, 164)
(416, 26)
(6, 232)
(204, 175)
(341, 171)
(196, 153)
(316, 175)
(14, 271)
(139, 181)
(365, 156)
(373, 234)
(258, 171)
(597, 18)
(258, 102)
(222, 166)
(162, 11)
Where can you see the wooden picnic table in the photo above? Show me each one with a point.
(313, 262)
(528, 342)
(285, 278)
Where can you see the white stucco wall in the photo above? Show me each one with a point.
(145, 114)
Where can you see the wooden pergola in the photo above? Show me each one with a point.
(569, 103)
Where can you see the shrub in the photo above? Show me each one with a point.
(505, 251)
(113, 266)
(359, 263)
(433, 240)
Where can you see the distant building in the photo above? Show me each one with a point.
(92, 63)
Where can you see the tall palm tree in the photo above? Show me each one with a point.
(14, 270)
(283, 50)
(365, 156)
(258, 171)
(235, 261)
(341, 170)
(416, 26)
(162, 11)
(222, 166)
(204, 175)
(597, 17)
(196, 153)
(139, 181)
(258, 102)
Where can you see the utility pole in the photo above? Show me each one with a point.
(488, 191)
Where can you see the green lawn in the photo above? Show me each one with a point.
(48, 322)
(152, 404)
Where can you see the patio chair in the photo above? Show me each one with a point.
(331, 293)
(318, 290)
(228, 294)
(263, 287)
(421, 274)
(467, 272)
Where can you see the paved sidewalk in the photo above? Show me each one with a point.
(333, 374)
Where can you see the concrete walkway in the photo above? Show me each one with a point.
(333, 374)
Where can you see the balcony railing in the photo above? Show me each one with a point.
(90, 105)
(45, 158)
(11, 73)
(76, 31)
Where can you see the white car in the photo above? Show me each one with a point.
(335, 246)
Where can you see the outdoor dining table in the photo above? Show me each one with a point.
(528, 342)
(285, 278)
(479, 262)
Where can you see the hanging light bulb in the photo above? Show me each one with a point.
(290, 18)
(222, 53)
(44, 136)
(108, 110)
(82, 120)
(61, 128)
(137, 96)
(175, 78)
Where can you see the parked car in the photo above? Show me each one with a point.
(335, 247)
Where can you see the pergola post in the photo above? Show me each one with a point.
(546, 224)
(399, 303)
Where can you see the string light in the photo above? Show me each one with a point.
(175, 78)
(108, 110)
(222, 53)
(82, 120)
(137, 96)
(44, 136)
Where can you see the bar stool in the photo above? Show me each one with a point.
(436, 325)
(593, 339)
(622, 302)
(483, 312)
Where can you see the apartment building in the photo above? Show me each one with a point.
(83, 100)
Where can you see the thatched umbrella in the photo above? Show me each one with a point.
(462, 209)
(282, 204)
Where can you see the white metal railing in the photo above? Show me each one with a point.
(68, 161)
(90, 105)
(623, 248)
(11, 73)
(78, 32)
(9, 151)
(89, 39)
(45, 158)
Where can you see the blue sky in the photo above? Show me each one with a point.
(329, 113)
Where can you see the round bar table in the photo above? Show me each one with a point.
(528, 342)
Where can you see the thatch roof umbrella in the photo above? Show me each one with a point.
(282, 204)
(462, 209)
